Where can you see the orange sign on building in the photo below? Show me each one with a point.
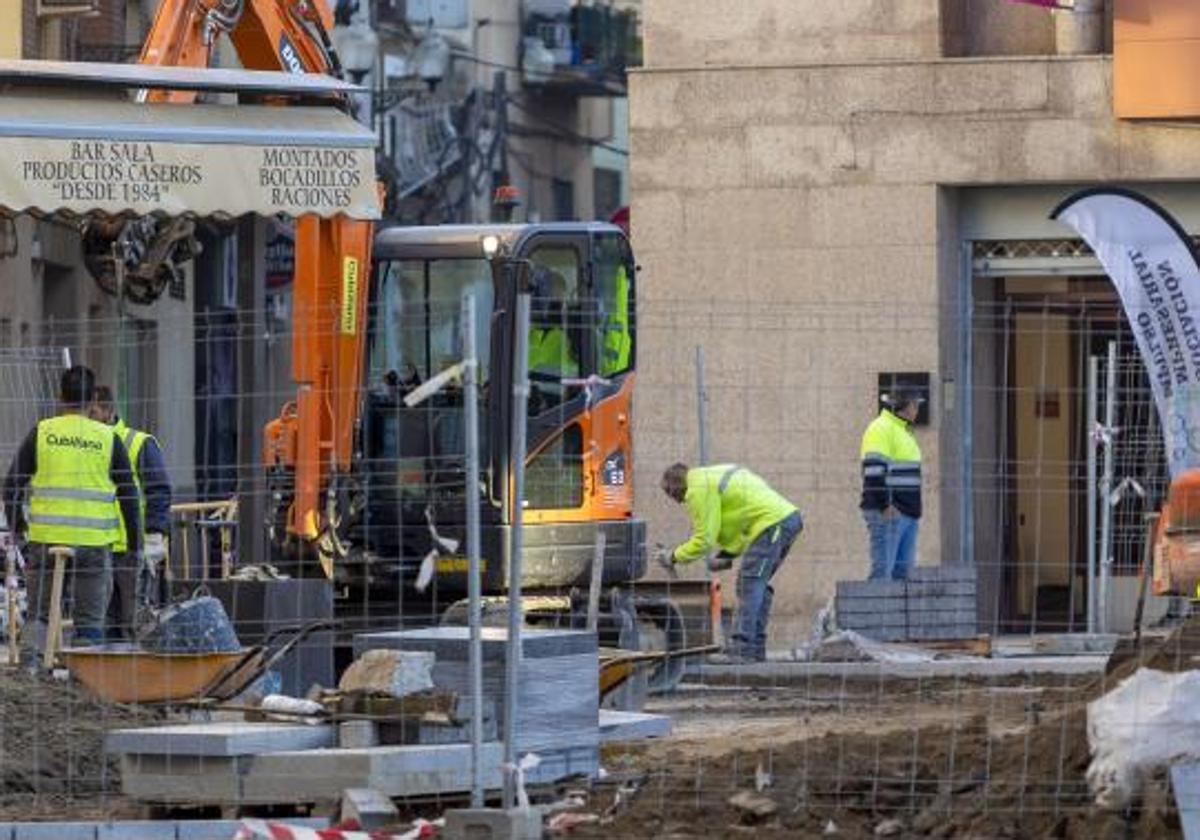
(1156, 59)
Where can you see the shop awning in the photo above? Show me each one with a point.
(93, 153)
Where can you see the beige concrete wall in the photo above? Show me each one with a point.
(695, 33)
(788, 220)
(11, 40)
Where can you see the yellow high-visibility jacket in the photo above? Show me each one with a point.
(729, 507)
(891, 466)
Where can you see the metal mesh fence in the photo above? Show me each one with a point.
(977, 733)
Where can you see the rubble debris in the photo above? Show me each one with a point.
(565, 821)
(762, 779)
(624, 796)
(396, 673)
(889, 828)
(754, 805)
(367, 808)
(849, 646)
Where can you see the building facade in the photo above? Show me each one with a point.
(829, 193)
(51, 300)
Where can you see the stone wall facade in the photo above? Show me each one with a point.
(799, 220)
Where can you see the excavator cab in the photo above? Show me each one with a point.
(408, 481)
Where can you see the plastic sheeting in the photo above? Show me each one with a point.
(1148, 722)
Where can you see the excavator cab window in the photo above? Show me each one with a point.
(554, 329)
(418, 330)
(414, 455)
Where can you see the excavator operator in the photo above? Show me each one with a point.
(552, 358)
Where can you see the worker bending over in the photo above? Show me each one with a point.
(136, 581)
(73, 475)
(737, 513)
(891, 494)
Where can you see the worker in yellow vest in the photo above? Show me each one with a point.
(136, 580)
(891, 494)
(68, 479)
(618, 341)
(552, 358)
(736, 513)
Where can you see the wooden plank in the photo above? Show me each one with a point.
(976, 646)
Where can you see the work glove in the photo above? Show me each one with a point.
(664, 557)
(154, 552)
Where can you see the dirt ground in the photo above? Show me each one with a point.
(52, 761)
(949, 758)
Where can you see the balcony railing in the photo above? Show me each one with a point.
(582, 50)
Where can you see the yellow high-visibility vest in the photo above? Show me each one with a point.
(72, 495)
(550, 353)
(617, 340)
(134, 440)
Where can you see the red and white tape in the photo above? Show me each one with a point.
(252, 829)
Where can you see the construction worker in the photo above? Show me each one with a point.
(617, 340)
(551, 356)
(135, 582)
(76, 474)
(736, 512)
(891, 494)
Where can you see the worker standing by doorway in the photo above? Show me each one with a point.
(136, 582)
(737, 513)
(891, 494)
(76, 474)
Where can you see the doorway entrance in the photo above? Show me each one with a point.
(1033, 337)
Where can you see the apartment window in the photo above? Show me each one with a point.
(564, 200)
(606, 190)
(140, 373)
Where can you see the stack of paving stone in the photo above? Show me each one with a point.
(277, 763)
(558, 686)
(935, 603)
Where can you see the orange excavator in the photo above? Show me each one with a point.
(1176, 555)
(365, 487)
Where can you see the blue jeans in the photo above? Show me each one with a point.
(893, 544)
(755, 593)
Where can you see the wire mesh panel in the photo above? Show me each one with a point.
(28, 391)
(899, 726)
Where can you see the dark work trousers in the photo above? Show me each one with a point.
(86, 589)
(123, 603)
(755, 593)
